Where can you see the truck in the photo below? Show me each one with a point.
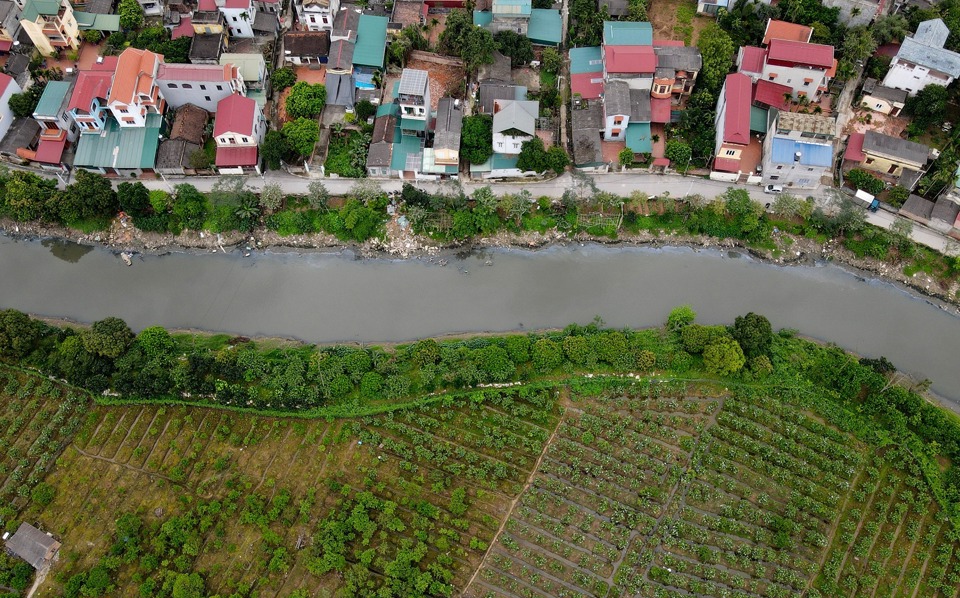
(873, 204)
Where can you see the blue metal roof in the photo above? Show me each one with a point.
(627, 33)
(586, 60)
(811, 154)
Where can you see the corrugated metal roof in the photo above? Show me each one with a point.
(639, 139)
(627, 33)
(784, 50)
(413, 82)
(237, 156)
(786, 30)
(586, 60)
(895, 147)
(758, 119)
(854, 149)
(750, 59)
(545, 27)
(772, 94)
(588, 85)
(371, 41)
(235, 114)
(120, 147)
(54, 97)
(736, 119)
(784, 151)
(630, 59)
(935, 58)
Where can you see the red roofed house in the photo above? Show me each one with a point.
(238, 130)
(202, 85)
(786, 30)
(88, 102)
(772, 95)
(633, 64)
(750, 60)
(805, 68)
(8, 87)
(733, 122)
(135, 93)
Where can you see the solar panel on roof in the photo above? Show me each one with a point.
(413, 81)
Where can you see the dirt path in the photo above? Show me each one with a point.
(513, 504)
(127, 466)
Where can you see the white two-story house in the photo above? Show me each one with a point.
(317, 15)
(514, 122)
(238, 15)
(238, 131)
(202, 85)
(803, 67)
(922, 60)
(413, 95)
(134, 93)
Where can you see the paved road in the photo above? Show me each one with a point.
(919, 233)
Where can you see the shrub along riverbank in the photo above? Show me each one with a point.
(865, 396)
(453, 216)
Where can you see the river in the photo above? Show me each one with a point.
(324, 298)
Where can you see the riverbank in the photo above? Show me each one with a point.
(400, 242)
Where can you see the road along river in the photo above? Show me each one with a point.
(323, 298)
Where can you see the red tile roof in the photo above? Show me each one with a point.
(583, 83)
(799, 53)
(854, 149)
(90, 84)
(751, 59)
(237, 4)
(134, 74)
(786, 30)
(195, 72)
(660, 110)
(772, 94)
(105, 63)
(207, 5)
(5, 45)
(235, 115)
(660, 43)
(49, 151)
(5, 81)
(736, 118)
(237, 156)
(726, 165)
(184, 29)
(630, 59)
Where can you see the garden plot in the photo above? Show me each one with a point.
(255, 502)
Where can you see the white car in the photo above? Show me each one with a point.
(773, 189)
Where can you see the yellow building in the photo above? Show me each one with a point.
(51, 25)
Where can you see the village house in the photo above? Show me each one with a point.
(543, 26)
(385, 135)
(238, 15)
(8, 87)
(885, 100)
(253, 71)
(733, 124)
(9, 23)
(514, 122)
(238, 131)
(51, 25)
(676, 72)
(786, 30)
(308, 47)
(711, 7)
(134, 93)
(942, 215)
(316, 15)
(587, 124)
(627, 53)
(413, 96)
(898, 159)
(56, 126)
(922, 60)
(198, 84)
(35, 547)
(798, 149)
(187, 135)
(443, 158)
(88, 102)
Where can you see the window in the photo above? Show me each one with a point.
(232, 140)
(500, 144)
(869, 161)
(234, 19)
(879, 106)
(172, 86)
(779, 166)
(775, 177)
(615, 132)
(123, 110)
(313, 19)
(809, 170)
(806, 82)
(203, 88)
(207, 98)
(247, 140)
(618, 120)
(219, 87)
(187, 86)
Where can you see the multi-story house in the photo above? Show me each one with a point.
(253, 69)
(922, 60)
(9, 23)
(238, 15)
(202, 85)
(317, 15)
(803, 67)
(51, 25)
(514, 122)
(798, 150)
(676, 72)
(511, 15)
(88, 102)
(135, 93)
(628, 54)
(52, 112)
(616, 110)
(207, 19)
(238, 130)
(732, 123)
(8, 87)
(413, 96)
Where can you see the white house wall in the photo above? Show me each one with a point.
(912, 79)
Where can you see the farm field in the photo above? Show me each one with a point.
(587, 486)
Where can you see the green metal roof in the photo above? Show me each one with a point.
(97, 22)
(118, 147)
(523, 7)
(407, 146)
(627, 33)
(34, 8)
(482, 18)
(391, 108)
(413, 124)
(371, 41)
(638, 138)
(586, 60)
(52, 99)
(546, 27)
(501, 161)
(758, 119)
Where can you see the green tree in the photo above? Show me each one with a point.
(754, 334)
(23, 104)
(26, 196)
(302, 134)
(476, 140)
(43, 494)
(271, 197)
(282, 78)
(551, 60)
(306, 100)
(364, 109)
(586, 23)
(858, 44)
(457, 26)
(275, 149)
(131, 14)
(518, 47)
(134, 198)
(717, 50)
(679, 154)
(190, 206)
(546, 355)
(109, 337)
(91, 194)
(200, 160)
(18, 334)
(625, 157)
(680, 317)
(317, 195)
(156, 342)
(928, 106)
(723, 356)
(636, 10)
(890, 28)
(188, 586)
(478, 49)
